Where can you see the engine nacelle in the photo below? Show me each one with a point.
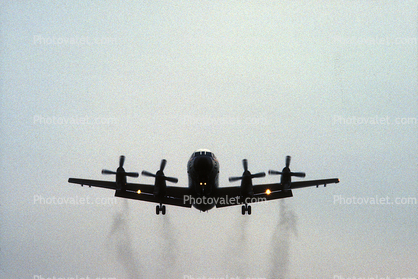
(246, 180)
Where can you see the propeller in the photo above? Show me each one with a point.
(121, 170)
(245, 164)
(108, 172)
(246, 173)
(286, 170)
(160, 173)
(121, 161)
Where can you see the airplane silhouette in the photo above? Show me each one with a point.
(203, 191)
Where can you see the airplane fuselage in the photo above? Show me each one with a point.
(203, 172)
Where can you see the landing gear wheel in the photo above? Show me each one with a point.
(246, 209)
(160, 208)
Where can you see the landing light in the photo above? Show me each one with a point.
(268, 192)
(138, 192)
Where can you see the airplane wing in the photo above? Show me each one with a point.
(273, 187)
(270, 191)
(228, 191)
(146, 188)
(260, 194)
(174, 194)
(170, 200)
(309, 183)
(96, 183)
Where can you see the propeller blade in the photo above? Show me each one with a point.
(275, 172)
(163, 163)
(288, 161)
(108, 172)
(146, 173)
(132, 174)
(232, 179)
(260, 174)
(298, 174)
(245, 164)
(121, 161)
(171, 179)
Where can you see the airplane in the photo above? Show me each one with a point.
(203, 191)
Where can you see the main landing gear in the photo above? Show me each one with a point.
(246, 208)
(160, 208)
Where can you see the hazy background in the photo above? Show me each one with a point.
(246, 79)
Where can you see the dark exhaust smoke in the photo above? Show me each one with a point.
(281, 240)
(121, 242)
(169, 247)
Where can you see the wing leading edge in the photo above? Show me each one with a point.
(294, 185)
(272, 191)
(143, 192)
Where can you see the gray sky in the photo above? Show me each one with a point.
(83, 83)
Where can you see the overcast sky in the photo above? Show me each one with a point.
(332, 83)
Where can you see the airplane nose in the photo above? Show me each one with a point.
(203, 164)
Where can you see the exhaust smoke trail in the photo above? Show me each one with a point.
(238, 252)
(168, 248)
(280, 242)
(120, 237)
(242, 232)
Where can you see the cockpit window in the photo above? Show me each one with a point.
(207, 153)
